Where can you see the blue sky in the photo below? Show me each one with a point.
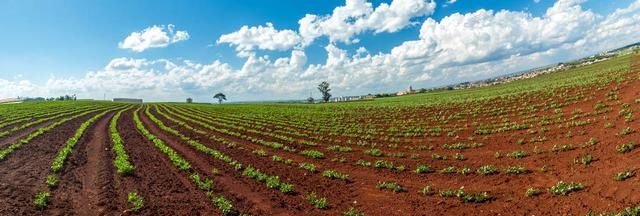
(52, 47)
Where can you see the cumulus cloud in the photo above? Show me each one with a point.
(247, 39)
(485, 35)
(355, 17)
(358, 16)
(153, 37)
(459, 47)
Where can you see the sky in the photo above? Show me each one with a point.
(250, 50)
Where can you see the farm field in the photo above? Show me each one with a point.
(564, 143)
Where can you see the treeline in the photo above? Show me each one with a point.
(60, 98)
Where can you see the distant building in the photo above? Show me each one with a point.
(408, 91)
(128, 100)
(9, 100)
(351, 98)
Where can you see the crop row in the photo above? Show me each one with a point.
(12, 147)
(183, 165)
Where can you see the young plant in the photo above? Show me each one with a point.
(562, 188)
(624, 148)
(313, 154)
(532, 192)
(374, 152)
(52, 180)
(287, 188)
(487, 170)
(464, 170)
(515, 170)
(319, 203)
(41, 200)
(308, 167)
(332, 174)
(136, 201)
(352, 212)
(518, 154)
(448, 170)
(422, 168)
(621, 176)
(426, 190)
(392, 186)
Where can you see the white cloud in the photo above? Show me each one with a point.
(153, 37)
(485, 35)
(247, 39)
(358, 16)
(355, 17)
(459, 47)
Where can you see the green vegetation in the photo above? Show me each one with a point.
(319, 203)
(41, 200)
(332, 174)
(136, 201)
(487, 170)
(121, 161)
(392, 186)
(624, 175)
(562, 188)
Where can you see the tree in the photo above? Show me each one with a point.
(324, 89)
(220, 96)
(310, 100)
(189, 100)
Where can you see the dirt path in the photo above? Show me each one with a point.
(85, 186)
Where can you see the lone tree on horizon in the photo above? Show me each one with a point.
(324, 89)
(220, 96)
